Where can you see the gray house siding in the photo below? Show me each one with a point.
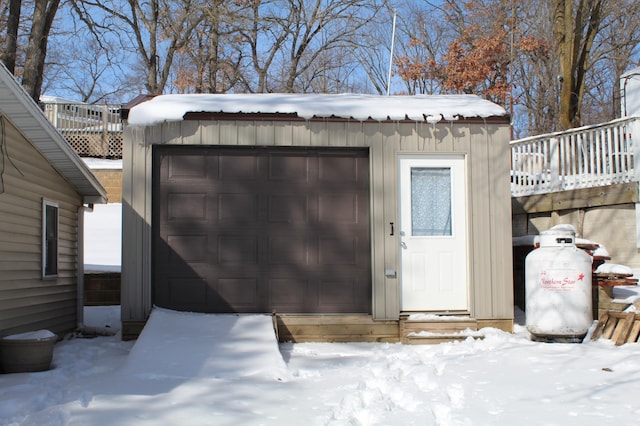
(483, 143)
(27, 301)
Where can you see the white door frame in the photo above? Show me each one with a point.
(434, 269)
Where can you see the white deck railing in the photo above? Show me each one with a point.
(92, 130)
(584, 157)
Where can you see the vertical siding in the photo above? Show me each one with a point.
(27, 302)
(384, 290)
(136, 223)
(486, 150)
(480, 233)
(502, 260)
(491, 223)
(388, 183)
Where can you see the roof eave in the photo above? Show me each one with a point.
(220, 116)
(27, 116)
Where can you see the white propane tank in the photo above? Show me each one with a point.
(558, 301)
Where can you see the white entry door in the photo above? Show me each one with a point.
(433, 234)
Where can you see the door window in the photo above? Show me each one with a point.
(430, 201)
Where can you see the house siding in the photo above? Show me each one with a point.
(27, 302)
(587, 209)
(485, 146)
(111, 180)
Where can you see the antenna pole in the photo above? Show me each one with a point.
(393, 37)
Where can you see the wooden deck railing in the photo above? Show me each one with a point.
(584, 157)
(92, 130)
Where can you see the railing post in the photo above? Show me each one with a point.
(554, 165)
(633, 134)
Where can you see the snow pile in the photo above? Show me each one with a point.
(102, 164)
(499, 380)
(215, 346)
(32, 335)
(614, 269)
(357, 107)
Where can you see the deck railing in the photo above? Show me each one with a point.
(92, 130)
(584, 157)
(590, 156)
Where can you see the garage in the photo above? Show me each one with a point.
(305, 205)
(261, 229)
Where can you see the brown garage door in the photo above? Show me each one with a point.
(261, 229)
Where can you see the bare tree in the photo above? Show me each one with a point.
(614, 49)
(158, 28)
(32, 75)
(210, 62)
(296, 35)
(576, 25)
(8, 55)
(91, 73)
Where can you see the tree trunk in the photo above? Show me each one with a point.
(8, 57)
(32, 77)
(576, 26)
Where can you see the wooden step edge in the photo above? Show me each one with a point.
(427, 337)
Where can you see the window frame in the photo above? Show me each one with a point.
(50, 239)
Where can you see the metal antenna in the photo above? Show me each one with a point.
(393, 37)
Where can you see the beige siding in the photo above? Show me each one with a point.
(587, 210)
(484, 145)
(136, 222)
(618, 236)
(111, 180)
(28, 302)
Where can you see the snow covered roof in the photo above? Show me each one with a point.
(347, 106)
(46, 99)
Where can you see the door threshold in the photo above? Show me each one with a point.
(435, 315)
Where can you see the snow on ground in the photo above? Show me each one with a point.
(102, 164)
(103, 227)
(171, 377)
(103, 238)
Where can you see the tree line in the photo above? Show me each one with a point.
(554, 64)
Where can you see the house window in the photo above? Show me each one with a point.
(49, 239)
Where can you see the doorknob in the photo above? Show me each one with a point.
(403, 245)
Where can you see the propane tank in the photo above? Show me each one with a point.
(558, 301)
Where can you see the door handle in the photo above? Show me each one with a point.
(403, 245)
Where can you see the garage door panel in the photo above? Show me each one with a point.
(186, 206)
(333, 293)
(286, 293)
(187, 167)
(288, 251)
(239, 292)
(288, 168)
(338, 208)
(187, 291)
(236, 167)
(284, 229)
(187, 248)
(234, 208)
(338, 170)
(186, 256)
(289, 208)
(238, 250)
(338, 251)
